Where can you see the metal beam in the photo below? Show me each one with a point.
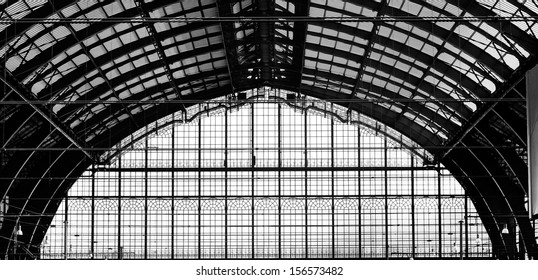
(302, 8)
(91, 58)
(158, 46)
(277, 18)
(256, 169)
(427, 72)
(428, 25)
(427, 59)
(370, 39)
(483, 110)
(45, 112)
(265, 40)
(499, 23)
(112, 55)
(228, 40)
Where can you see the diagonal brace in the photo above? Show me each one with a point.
(144, 14)
(45, 112)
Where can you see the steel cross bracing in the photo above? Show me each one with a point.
(486, 108)
(45, 112)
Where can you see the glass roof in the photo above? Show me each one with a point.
(96, 59)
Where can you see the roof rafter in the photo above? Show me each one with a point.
(299, 41)
(265, 40)
(228, 39)
(159, 47)
(482, 111)
(91, 58)
(368, 49)
(426, 73)
(504, 27)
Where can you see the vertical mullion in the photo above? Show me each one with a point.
(146, 154)
(279, 181)
(252, 176)
(173, 190)
(413, 229)
(386, 197)
(359, 192)
(199, 188)
(466, 215)
(66, 223)
(306, 181)
(439, 214)
(119, 249)
(333, 246)
(226, 183)
(92, 214)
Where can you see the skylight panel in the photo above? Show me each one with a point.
(128, 38)
(113, 8)
(70, 10)
(316, 12)
(20, 9)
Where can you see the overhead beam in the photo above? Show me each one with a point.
(300, 28)
(499, 23)
(158, 46)
(228, 40)
(368, 49)
(426, 73)
(483, 110)
(92, 59)
(265, 40)
(272, 169)
(45, 112)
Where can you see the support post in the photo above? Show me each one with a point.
(306, 183)
(359, 192)
(226, 183)
(385, 163)
(279, 181)
(333, 232)
(252, 176)
(439, 212)
(66, 221)
(119, 248)
(146, 154)
(173, 193)
(466, 227)
(532, 139)
(199, 188)
(461, 239)
(92, 245)
(413, 222)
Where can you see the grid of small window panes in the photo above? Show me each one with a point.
(266, 180)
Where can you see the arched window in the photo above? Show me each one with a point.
(269, 176)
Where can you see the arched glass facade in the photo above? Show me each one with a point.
(274, 177)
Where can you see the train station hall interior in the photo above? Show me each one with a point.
(268, 129)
